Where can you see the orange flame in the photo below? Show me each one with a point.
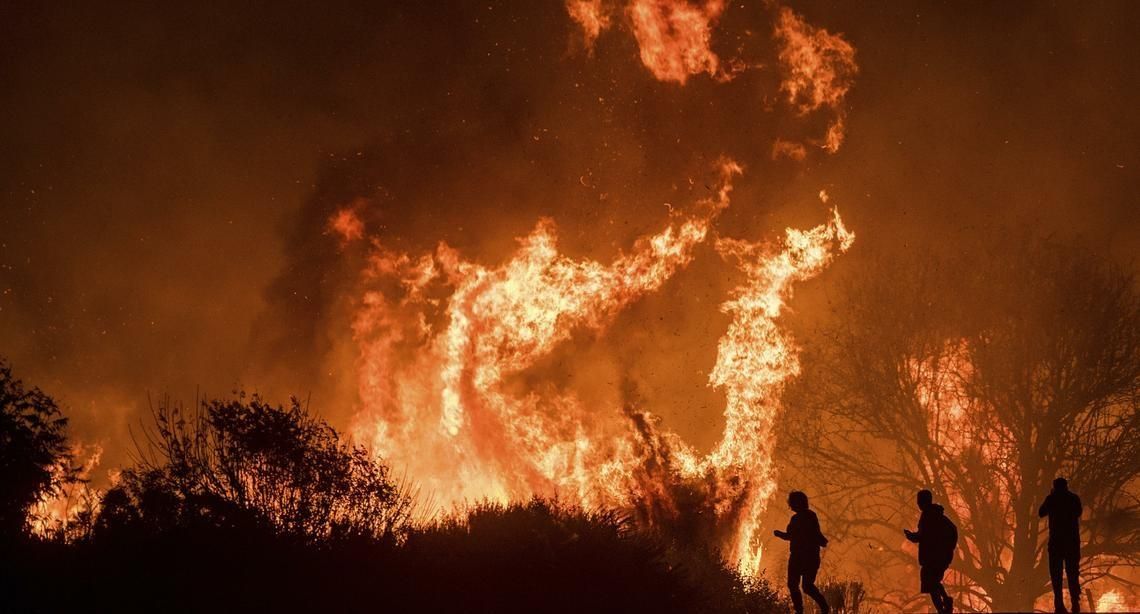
(435, 372)
(53, 513)
(755, 357)
(588, 14)
(674, 37)
(819, 70)
(347, 225)
(788, 149)
(1113, 601)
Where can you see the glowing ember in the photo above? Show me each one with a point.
(434, 373)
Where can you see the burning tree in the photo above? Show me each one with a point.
(982, 376)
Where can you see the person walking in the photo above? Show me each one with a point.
(937, 537)
(803, 561)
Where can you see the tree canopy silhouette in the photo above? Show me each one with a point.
(34, 456)
(981, 375)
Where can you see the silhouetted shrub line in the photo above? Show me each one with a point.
(244, 506)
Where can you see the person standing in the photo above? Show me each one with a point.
(803, 561)
(937, 537)
(1063, 507)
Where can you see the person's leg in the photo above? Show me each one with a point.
(946, 604)
(794, 589)
(932, 585)
(927, 581)
(1055, 561)
(1072, 573)
(813, 592)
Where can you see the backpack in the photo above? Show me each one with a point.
(947, 539)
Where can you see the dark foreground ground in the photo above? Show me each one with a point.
(535, 557)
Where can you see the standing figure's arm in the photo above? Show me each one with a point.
(1044, 511)
(916, 536)
(1079, 509)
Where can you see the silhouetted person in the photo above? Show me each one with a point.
(803, 563)
(936, 538)
(1063, 507)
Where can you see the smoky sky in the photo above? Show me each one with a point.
(167, 172)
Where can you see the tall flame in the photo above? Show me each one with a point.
(755, 357)
(440, 347)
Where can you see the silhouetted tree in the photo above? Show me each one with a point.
(34, 457)
(981, 375)
(245, 463)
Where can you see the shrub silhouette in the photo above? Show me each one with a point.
(545, 556)
(244, 506)
(34, 457)
(248, 464)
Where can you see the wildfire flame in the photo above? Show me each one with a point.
(439, 349)
(1112, 601)
(53, 512)
(819, 70)
(590, 16)
(347, 226)
(674, 37)
(674, 40)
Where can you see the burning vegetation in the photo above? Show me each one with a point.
(435, 373)
(980, 369)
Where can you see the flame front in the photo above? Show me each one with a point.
(439, 349)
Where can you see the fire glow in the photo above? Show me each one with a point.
(441, 338)
(440, 342)
(435, 400)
